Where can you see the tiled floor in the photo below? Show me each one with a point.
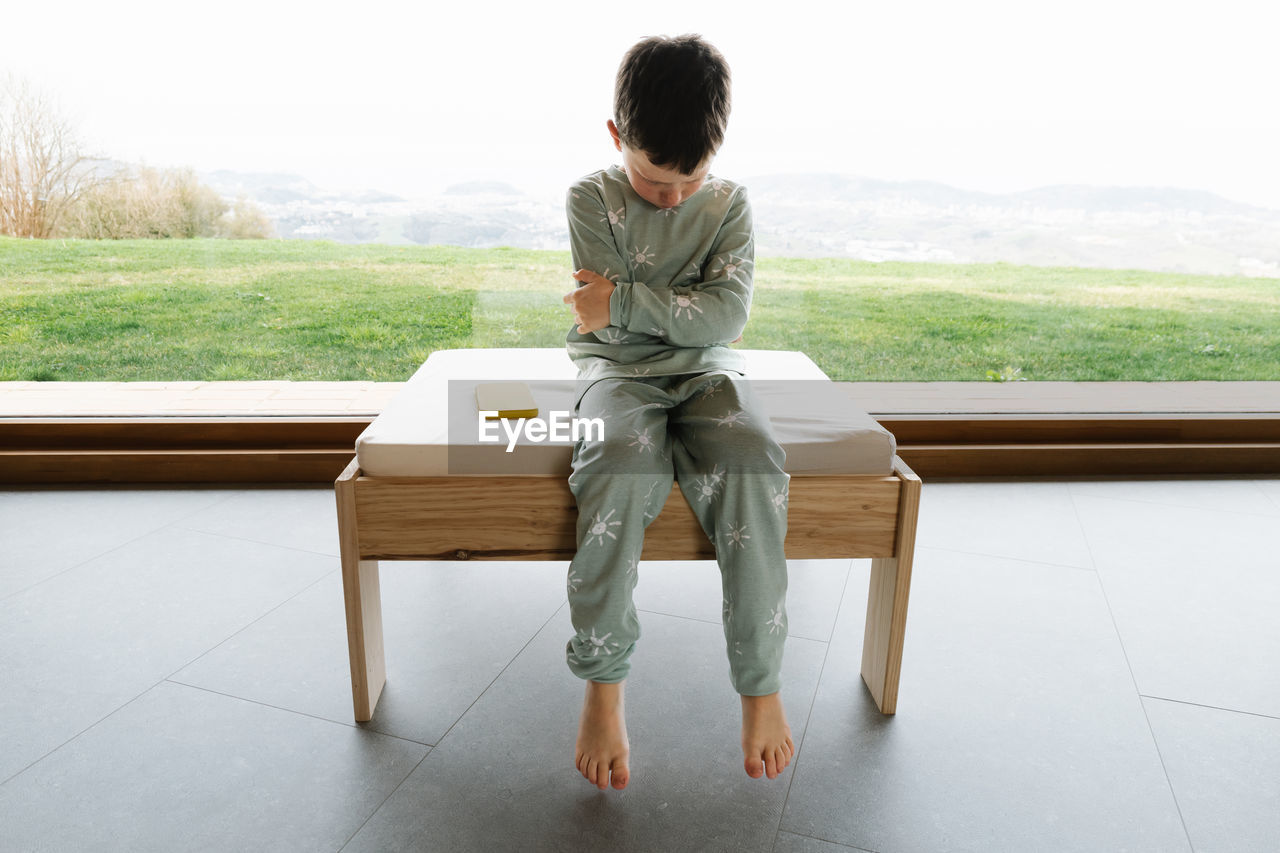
(1090, 665)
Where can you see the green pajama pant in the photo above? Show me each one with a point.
(707, 430)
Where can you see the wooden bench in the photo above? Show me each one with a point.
(534, 518)
(434, 493)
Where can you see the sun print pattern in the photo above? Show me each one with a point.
(777, 621)
(731, 267)
(600, 528)
(731, 419)
(642, 257)
(686, 303)
(597, 645)
(737, 535)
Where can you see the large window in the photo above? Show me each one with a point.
(967, 192)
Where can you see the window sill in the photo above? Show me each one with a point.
(305, 432)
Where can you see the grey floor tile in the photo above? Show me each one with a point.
(1270, 488)
(305, 518)
(1223, 768)
(1018, 726)
(449, 629)
(1228, 495)
(692, 589)
(79, 645)
(185, 769)
(50, 531)
(503, 778)
(1195, 595)
(789, 842)
(1030, 521)
(1013, 729)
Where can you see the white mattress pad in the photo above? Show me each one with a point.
(431, 427)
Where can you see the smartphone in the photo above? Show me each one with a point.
(508, 399)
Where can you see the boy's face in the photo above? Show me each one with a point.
(660, 186)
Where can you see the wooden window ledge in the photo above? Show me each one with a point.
(305, 432)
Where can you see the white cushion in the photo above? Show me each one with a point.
(430, 427)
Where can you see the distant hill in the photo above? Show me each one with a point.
(482, 188)
(281, 187)
(1136, 198)
(845, 188)
(1157, 228)
(252, 184)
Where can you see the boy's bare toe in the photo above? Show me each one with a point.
(621, 774)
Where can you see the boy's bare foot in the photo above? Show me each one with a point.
(602, 750)
(766, 738)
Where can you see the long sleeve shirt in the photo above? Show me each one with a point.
(682, 276)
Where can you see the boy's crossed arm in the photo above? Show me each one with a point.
(697, 314)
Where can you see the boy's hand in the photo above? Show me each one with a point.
(590, 303)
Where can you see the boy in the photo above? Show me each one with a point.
(664, 255)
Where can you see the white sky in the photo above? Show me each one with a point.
(410, 97)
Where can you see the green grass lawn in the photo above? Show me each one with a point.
(216, 309)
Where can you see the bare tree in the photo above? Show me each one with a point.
(42, 168)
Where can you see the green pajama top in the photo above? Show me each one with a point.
(683, 277)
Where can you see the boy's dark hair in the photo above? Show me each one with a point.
(671, 100)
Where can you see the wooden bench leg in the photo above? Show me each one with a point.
(887, 600)
(364, 634)
(363, 598)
